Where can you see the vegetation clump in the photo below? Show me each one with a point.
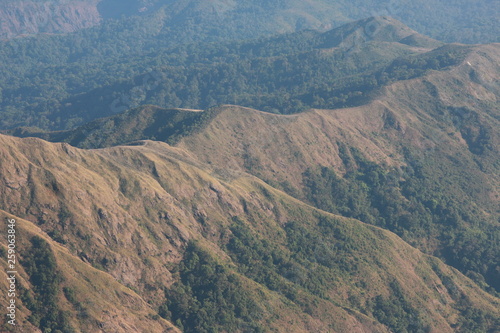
(209, 298)
(43, 301)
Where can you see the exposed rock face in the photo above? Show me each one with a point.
(30, 17)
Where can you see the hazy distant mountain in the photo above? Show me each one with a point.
(22, 18)
(184, 20)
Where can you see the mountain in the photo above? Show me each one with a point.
(196, 20)
(93, 300)
(208, 249)
(336, 181)
(420, 158)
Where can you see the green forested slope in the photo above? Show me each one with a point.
(285, 74)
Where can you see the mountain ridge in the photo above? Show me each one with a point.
(283, 74)
(481, 88)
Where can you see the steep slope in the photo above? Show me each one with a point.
(433, 141)
(452, 110)
(62, 292)
(456, 107)
(134, 212)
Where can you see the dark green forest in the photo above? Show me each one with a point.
(43, 300)
(418, 204)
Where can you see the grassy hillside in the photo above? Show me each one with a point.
(136, 211)
(362, 197)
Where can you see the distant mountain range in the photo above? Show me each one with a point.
(450, 21)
